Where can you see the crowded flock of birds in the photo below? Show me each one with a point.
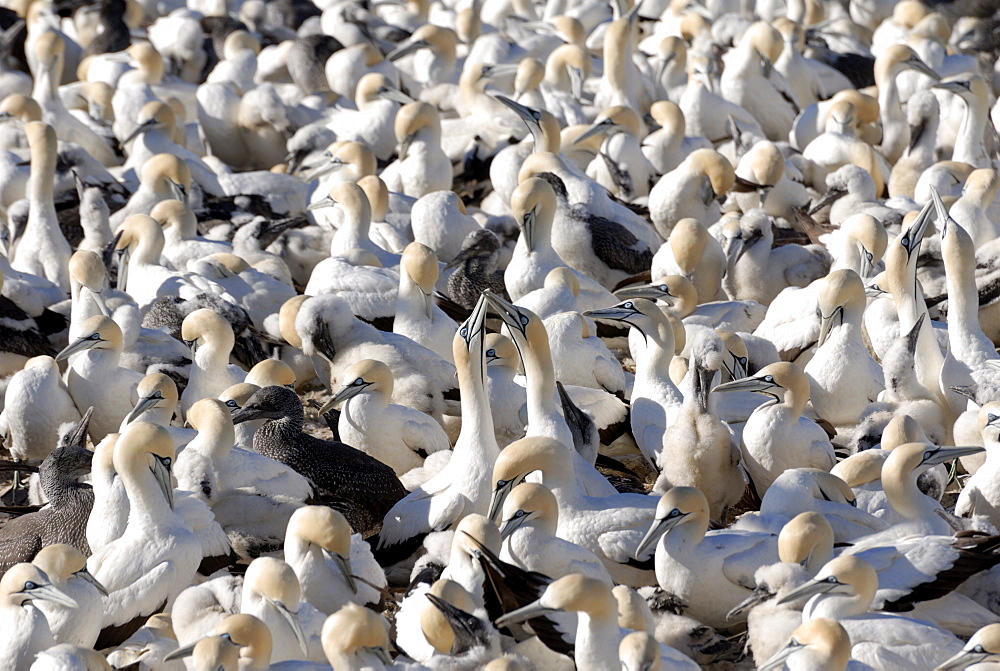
(650, 335)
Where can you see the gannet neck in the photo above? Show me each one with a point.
(835, 606)
(43, 168)
(969, 141)
(597, 640)
(148, 509)
(968, 342)
(477, 420)
(617, 52)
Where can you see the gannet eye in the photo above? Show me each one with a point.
(905, 241)
(742, 360)
(674, 513)
(95, 336)
(832, 579)
(927, 455)
(157, 394)
(166, 461)
(871, 257)
(536, 115)
(991, 417)
(524, 320)
(519, 514)
(663, 287)
(231, 403)
(502, 483)
(464, 332)
(30, 585)
(768, 378)
(628, 305)
(359, 382)
(491, 352)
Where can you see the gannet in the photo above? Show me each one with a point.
(777, 436)
(354, 229)
(534, 204)
(394, 434)
(149, 645)
(328, 332)
(180, 233)
(982, 649)
(693, 253)
(759, 272)
(416, 316)
(272, 593)
(163, 177)
(27, 629)
(689, 562)
(655, 400)
(422, 166)
(922, 114)
(42, 249)
(66, 568)
(157, 555)
(608, 526)
(843, 591)
(597, 635)
(355, 638)
(95, 379)
(979, 496)
(463, 486)
(839, 394)
(365, 487)
(888, 64)
(621, 166)
(530, 519)
(969, 146)
(37, 405)
(211, 339)
(690, 190)
(818, 643)
(529, 335)
(666, 148)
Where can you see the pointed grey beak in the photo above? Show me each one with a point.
(500, 493)
(80, 345)
(293, 621)
(811, 588)
(344, 564)
(941, 455)
(836, 318)
(656, 530)
(651, 292)
(52, 594)
(965, 659)
(182, 652)
(757, 597)
(349, 391)
(513, 524)
(395, 95)
(918, 65)
(533, 609)
(89, 577)
(617, 313)
(161, 471)
(141, 406)
(511, 316)
(405, 50)
(778, 660)
(747, 384)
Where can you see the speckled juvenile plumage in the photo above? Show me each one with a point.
(477, 269)
(361, 487)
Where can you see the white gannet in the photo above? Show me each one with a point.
(163, 177)
(157, 555)
(888, 64)
(148, 646)
(981, 650)
(980, 496)
(709, 572)
(157, 403)
(690, 190)
(66, 568)
(394, 434)
(211, 339)
(354, 229)
(42, 249)
(325, 555)
(27, 629)
(597, 634)
(621, 167)
(94, 378)
(356, 638)
(839, 394)
(843, 591)
(180, 233)
(37, 404)
(693, 253)
(969, 145)
(777, 436)
(422, 166)
(416, 316)
(271, 592)
(609, 526)
(818, 643)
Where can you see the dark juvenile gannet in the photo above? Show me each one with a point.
(361, 486)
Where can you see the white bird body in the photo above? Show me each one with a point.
(76, 626)
(39, 403)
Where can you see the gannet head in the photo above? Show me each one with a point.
(236, 396)
(100, 333)
(543, 126)
(470, 335)
(20, 107)
(501, 349)
(841, 296)
(525, 326)
(520, 459)
(900, 430)
(23, 583)
(50, 50)
(527, 502)
(989, 421)
(87, 269)
(569, 66)
(806, 539)
(350, 197)
(848, 576)
(242, 630)
(355, 156)
(275, 582)
(869, 235)
(172, 212)
(205, 326)
(410, 120)
(475, 532)
(271, 372)
(374, 86)
(448, 602)
(984, 646)
(269, 403)
(154, 390)
(363, 376)
(679, 506)
(481, 242)
(644, 316)
(146, 446)
(613, 120)
(861, 468)
(530, 73)
(754, 227)
(354, 628)
(715, 171)
(378, 196)
(668, 116)
(639, 651)
(676, 291)
(533, 204)
(971, 89)
(208, 413)
(737, 356)
(823, 639)
(153, 116)
(428, 36)
(329, 530)
(575, 593)
(775, 380)
(421, 264)
(61, 562)
(167, 173)
(898, 57)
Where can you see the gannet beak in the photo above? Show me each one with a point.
(811, 588)
(706, 192)
(144, 127)
(778, 660)
(657, 529)
(161, 471)
(830, 197)
(344, 564)
(528, 115)
(50, 593)
(123, 257)
(473, 326)
(940, 211)
(293, 621)
(500, 493)
(499, 70)
(617, 313)
(867, 263)
(910, 239)
(322, 203)
(141, 406)
(735, 249)
(575, 82)
(653, 292)
(509, 313)
(463, 255)
(89, 577)
(873, 291)
(512, 524)
(940, 455)
(598, 128)
(405, 49)
(914, 63)
(827, 324)
(964, 660)
(102, 305)
(349, 391)
(180, 653)
(661, 66)
(758, 384)
(533, 609)
(246, 414)
(80, 345)
(395, 95)
(403, 149)
(757, 597)
(178, 191)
